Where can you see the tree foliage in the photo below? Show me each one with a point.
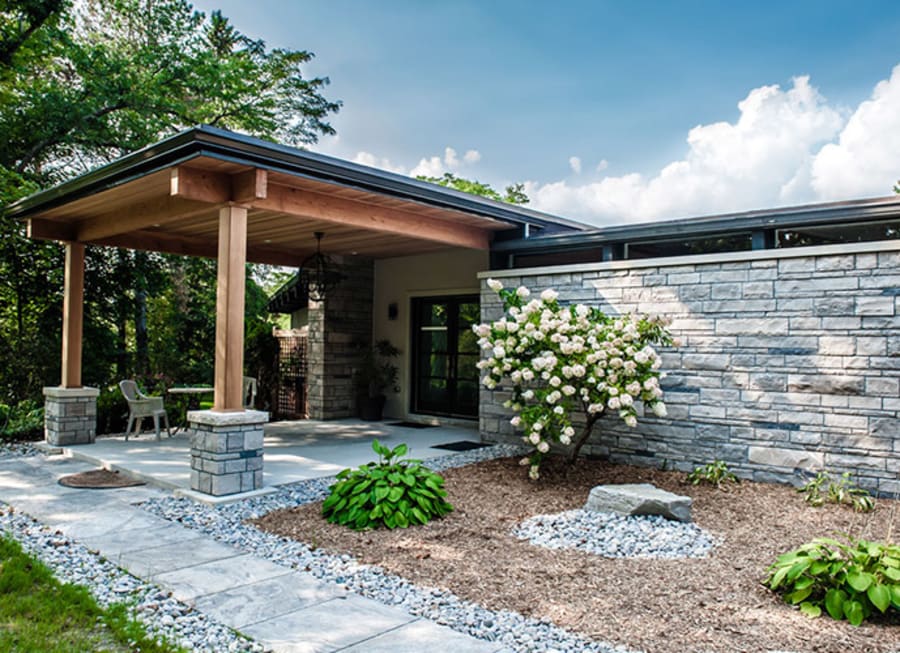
(512, 194)
(82, 83)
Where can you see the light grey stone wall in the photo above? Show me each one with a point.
(787, 365)
(70, 415)
(337, 327)
(226, 451)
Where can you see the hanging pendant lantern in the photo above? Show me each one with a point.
(318, 272)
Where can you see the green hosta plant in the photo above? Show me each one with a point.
(851, 580)
(824, 489)
(714, 473)
(391, 492)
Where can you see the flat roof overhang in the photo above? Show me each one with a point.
(167, 198)
(844, 212)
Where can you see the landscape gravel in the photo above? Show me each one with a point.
(510, 629)
(16, 449)
(616, 536)
(162, 615)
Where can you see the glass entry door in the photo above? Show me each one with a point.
(445, 352)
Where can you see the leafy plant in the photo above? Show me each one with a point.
(850, 580)
(391, 492)
(843, 491)
(24, 421)
(376, 374)
(714, 473)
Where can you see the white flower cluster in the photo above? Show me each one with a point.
(569, 359)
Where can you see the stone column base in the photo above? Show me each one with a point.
(70, 415)
(226, 451)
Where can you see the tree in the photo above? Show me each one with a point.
(568, 360)
(82, 84)
(513, 194)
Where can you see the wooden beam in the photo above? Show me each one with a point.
(200, 185)
(43, 229)
(229, 366)
(140, 216)
(249, 186)
(154, 241)
(73, 312)
(320, 206)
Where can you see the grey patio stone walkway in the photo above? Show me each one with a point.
(286, 610)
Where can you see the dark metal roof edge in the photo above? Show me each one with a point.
(859, 210)
(223, 144)
(165, 153)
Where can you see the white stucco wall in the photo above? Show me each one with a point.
(398, 280)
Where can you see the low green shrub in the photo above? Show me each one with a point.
(843, 491)
(851, 580)
(714, 473)
(112, 410)
(24, 421)
(391, 492)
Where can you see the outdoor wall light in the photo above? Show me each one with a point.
(393, 311)
(318, 272)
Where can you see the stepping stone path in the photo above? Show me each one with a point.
(639, 499)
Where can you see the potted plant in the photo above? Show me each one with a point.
(375, 375)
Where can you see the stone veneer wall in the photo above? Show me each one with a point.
(336, 327)
(70, 415)
(789, 359)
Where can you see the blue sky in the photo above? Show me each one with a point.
(524, 87)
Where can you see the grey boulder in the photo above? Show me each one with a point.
(639, 499)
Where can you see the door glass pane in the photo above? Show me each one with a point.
(446, 353)
(434, 393)
(466, 369)
(433, 365)
(435, 314)
(434, 340)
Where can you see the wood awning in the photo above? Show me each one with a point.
(176, 210)
(167, 198)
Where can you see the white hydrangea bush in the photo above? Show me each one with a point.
(565, 360)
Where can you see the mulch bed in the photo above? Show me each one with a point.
(711, 604)
(98, 479)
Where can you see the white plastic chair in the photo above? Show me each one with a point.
(141, 406)
(249, 395)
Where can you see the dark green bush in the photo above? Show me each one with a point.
(112, 410)
(851, 580)
(24, 421)
(391, 492)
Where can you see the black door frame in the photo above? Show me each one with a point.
(453, 325)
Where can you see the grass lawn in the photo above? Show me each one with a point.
(38, 613)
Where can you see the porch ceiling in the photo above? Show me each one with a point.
(174, 208)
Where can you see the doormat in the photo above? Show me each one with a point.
(98, 479)
(412, 425)
(462, 445)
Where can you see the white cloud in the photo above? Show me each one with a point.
(575, 164)
(603, 165)
(757, 161)
(435, 166)
(866, 158)
(430, 167)
(368, 159)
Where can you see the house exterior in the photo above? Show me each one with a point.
(789, 318)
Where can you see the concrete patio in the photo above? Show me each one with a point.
(293, 451)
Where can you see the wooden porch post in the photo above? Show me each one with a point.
(73, 312)
(230, 309)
